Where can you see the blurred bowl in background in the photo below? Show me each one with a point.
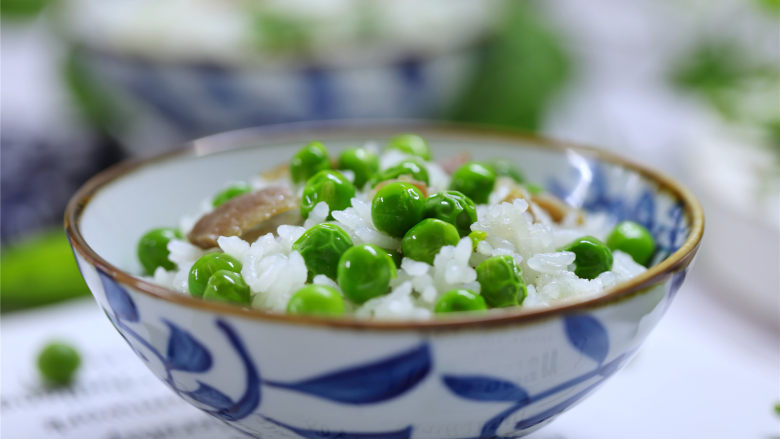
(729, 76)
(736, 180)
(180, 70)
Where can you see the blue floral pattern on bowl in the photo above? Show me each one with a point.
(188, 100)
(270, 377)
(370, 383)
(605, 191)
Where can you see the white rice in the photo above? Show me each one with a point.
(273, 271)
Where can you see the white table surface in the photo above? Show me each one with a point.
(705, 372)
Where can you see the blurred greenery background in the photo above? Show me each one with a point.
(620, 79)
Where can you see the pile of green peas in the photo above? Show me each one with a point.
(361, 271)
(322, 179)
(217, 276)
(400, 209)
(593, 257)
(214, 276)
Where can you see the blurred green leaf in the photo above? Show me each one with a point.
(277, 32)
(37, 271)
(719, 71)
(22, 9)
(713, 69)
(369, 21)
(772, 129)
(738, 84)
(521, 72)
(771, 6)
(91, 101)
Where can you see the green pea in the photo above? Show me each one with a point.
(592, 257)
(316, 300)
(230, 192)
(153, 249)
(395, 255)
(454, 208)
(229, 287)
(475, 180)
(330, 187)
(410, 168)
(459, 300)
(634, 239)
(321, 247)
(423, 241)
(476, 237)
(506, 168)
(533, 188)
(397, 207)
(365, 272)
(58, 362)
(501, 280)
(206, 266)
(362, 162)
(411, 144)
(309, 160)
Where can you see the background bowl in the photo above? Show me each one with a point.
(264, 374)
(183, 100)
(737, 182)
(242, 64)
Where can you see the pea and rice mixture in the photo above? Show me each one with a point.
(391, 234)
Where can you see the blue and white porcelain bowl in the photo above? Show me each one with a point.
(281, 376)
(167, 72)
(178, 101)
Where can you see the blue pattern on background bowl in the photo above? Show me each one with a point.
(272, 375)
(185, 100)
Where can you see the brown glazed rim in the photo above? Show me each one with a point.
(302, 132)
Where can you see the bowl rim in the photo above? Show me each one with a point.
(368, 129)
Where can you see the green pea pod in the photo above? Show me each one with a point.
(21, 283)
